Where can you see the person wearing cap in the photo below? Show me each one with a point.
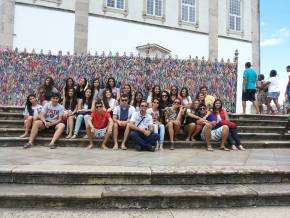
(50, 118)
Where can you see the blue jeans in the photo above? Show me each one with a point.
(159, 129)
(79, 121)
(145, 142)
(233, 137)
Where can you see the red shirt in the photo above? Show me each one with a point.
(100, 121)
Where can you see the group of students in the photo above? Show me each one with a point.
(111, 112)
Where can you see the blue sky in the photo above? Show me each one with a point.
(275, 38)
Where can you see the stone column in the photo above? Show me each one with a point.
(7, 10)
(256, 34)
(213, 29)
(81, 26)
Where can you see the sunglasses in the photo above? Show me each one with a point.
(99, 106)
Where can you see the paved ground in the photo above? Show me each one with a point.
(265, 212)
(178, 157)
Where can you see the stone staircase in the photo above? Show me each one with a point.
(256, 131)
(75, 186)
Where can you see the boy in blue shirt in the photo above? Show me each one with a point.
(249, 87)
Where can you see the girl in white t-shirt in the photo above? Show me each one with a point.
(31, 113)
(185, 98)
(273, 91)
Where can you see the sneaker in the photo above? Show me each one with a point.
(172, 146)
(27, 145)
(241, 148)
(234, 148)
(138, 148)
(52, 146)
(152, 149)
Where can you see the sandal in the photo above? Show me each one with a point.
(209, 148)
(27, 145)
(224, 149)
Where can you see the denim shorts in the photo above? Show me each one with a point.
(100, 133)
(273, 95)
(216, 134)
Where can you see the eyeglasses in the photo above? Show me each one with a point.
(99, 106)
(124, 100)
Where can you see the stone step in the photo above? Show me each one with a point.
(143, 196)
(18, 115)
(248, 122)
(7, 108)
(20, 123)
(154, 175)
(243, 130)
(11, 116)
(81, 142)
(258, 117)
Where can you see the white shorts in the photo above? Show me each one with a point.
(100, 133)
(216, 134)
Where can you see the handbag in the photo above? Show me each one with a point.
(228, 123)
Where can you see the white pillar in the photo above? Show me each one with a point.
(213, 29)
(81, 26)
(7, 10)
(256, 34)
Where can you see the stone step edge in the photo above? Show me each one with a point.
(47, 139)
(159, 175)
(144, 196)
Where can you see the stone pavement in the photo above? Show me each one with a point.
(265, 212)
(177, 158)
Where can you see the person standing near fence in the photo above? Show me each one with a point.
(249, 87)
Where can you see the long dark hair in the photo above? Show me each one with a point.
(108, 84)
(186, 91)
(93, 86)
(176, 91)
(164, 104)
(81, 89)
(28, 104)
(70, 101)
(89, 100)
(135, 98)
(154, 95)
(105, 100)
(47, 89)
(214, 108)
(66, 87)
(128, 94)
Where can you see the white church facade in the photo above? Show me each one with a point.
(203, 28)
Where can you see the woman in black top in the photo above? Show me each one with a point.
(70, 109)
(81, 88)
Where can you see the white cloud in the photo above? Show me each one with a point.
(271, 42)
(277, 38)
